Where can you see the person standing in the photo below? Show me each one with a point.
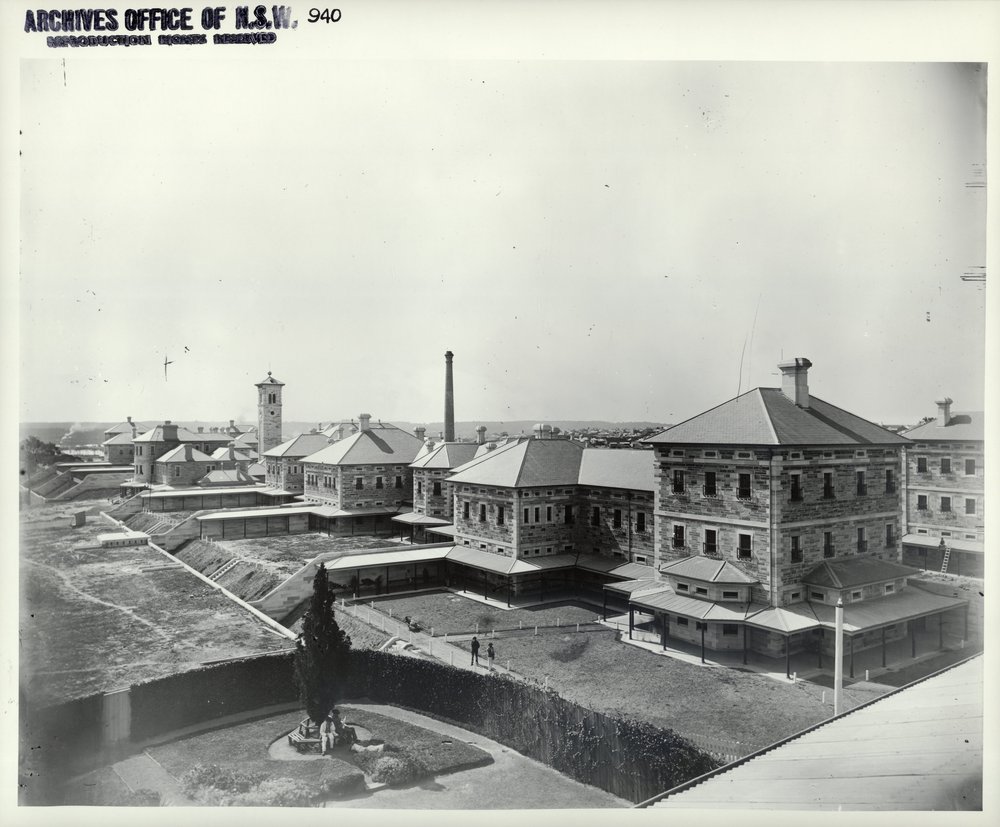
(490, 654)
(475, 651)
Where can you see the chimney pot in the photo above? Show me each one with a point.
(795, 380)
(944, 410)
(167, 422)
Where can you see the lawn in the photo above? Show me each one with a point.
(244, 748)
(596, 670)
(93, 619)
(451, 614)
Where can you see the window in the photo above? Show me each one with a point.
(711, 541)
(568, 515)
(482, 512)
(856, 595)
(859, 477)
(538, 512)
(359, 483)
(921, 502)
(617, 518)
(595, 516)
(730, 629)
(945, 465)
(548, 513)
(682, 621)
(921, 465)
(678, 536)
(177, 470)
(890, 535)
(437, 488)
(682, 587)
(399, 481)
(744, 550)
(500, 515)
(828, 485)
(970, 505)
(796, 493)
(890, 481)
(465, 510)
(796, 549)
(828, 544)
(678, 481)
(946, 503)
(378, 482)
(816, 596)
(525, 520)
(890, 588)
(700, 590)
(640, 521)
(743, 487)
(709, 489)
(862, 542)
(730, 595)
(970, 467)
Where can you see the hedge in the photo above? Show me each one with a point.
(199, 695)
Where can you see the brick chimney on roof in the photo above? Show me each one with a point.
(419, 432)
(188, 455)
(795, 380)
(364, 421)
(944, 410)
(449, 399)
(481, 435)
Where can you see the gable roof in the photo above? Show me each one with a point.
(445, 455)
(858, 571)
(765, 416)
(707, 570)
(126, 428)
(299, 446)
(380, 443)
(238, 455)
(969, 425)
(219, 477)
(178, 454)
(246, 438)
(618, 468)
(533, 462)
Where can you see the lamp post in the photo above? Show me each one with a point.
(838, 658)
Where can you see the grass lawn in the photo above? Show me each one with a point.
(596, 670)
(244, 747)
(454, 614)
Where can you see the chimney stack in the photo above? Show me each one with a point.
(201, 429)
(449, 399)
(188, 456)
(419, 432)
(795, 380)
(128, 419)
(538, 430)
(481, 435)
(944, 410)
(364, 421)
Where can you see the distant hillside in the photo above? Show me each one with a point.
(467, 430)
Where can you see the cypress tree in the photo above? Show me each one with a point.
(322, 652)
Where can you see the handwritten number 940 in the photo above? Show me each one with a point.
(324, 15)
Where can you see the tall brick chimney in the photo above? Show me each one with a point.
(449, 399)
(187, 452)
(364, 421)
(944, 410)
(795, 380)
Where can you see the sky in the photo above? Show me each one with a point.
(618, 240)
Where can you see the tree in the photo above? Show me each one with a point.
(35, 453)
(322, 652)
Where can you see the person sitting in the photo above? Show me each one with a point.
(328, 733)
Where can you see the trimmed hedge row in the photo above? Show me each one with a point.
(62, 738)
(201, 695)
(631, 759)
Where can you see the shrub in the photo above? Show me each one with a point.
(143, 798)
(397, 768)
(278, 792)
(203, 777)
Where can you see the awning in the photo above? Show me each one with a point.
(256, 513)
(413, 554)
(924, 541)
(162, 493)
(786, 621)
(276, 492)
(626, 587)
(633, 571)
(667, 600)
(333, 511)
(444, 530)
(536, 564)
(912, 602)
(413, 518)
(484, 560)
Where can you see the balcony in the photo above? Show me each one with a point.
(743, 494)
(710, 549)
(710, 491)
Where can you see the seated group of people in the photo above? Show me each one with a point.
(332, 732)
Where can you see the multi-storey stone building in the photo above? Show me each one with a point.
(768, 491)
(944, 499)
(283, 464)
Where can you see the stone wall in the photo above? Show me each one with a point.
(497, 537)
(623, 541)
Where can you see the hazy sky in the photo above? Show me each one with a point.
(592, 239)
